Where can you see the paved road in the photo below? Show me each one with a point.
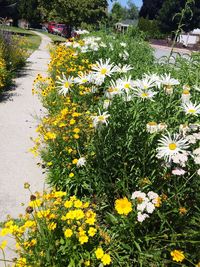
(19, 115)
(165, 52)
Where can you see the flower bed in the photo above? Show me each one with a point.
(121, 132)
(12, 56)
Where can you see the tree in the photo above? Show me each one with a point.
(131, 11)
(117, 12)
(29, 10)
(169, 16)
(150, 8)
(75, 12)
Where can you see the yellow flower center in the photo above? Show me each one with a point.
(103, 71)
(67, 84)
(101, 118)
(144, 95)
(192, 111)
(186, 92)
(127, 85)
(152, 123)
(172, 146)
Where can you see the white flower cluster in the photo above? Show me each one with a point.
(146, 204)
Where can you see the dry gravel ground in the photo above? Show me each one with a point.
(19, 114)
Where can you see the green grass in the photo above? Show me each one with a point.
(55, 38)
(15, 29)
(32, 41)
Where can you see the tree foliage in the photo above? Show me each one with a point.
(167, 12)
(119, 12)
(29, 10)
(150, 8)
(169, 15)
(74, 12)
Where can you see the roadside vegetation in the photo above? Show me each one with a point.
(120, 144)
(16, 45)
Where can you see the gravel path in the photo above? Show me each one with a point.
(19, 115)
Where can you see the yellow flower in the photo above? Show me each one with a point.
(72, 121)
(91, 217)
(68, 204)
(87, 263)
(59, 194)
(83, 239)
(78, 204)
(78, 214)
(106, 259)
(35, 203)
(123, 206)
(76, 130)
(76, 136)
(3, 244)
(52, 226)
(71, 174)
(92, 231)
(74, 161)
(68, 233)
(177, 255)
(99, 253)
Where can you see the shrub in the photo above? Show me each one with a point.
(150, 28)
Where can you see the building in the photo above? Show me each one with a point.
(123, 25)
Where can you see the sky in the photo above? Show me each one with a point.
(123, 2)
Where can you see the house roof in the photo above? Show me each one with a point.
(127, 22)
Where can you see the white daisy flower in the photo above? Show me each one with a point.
(198, 172)
(126, 84)
(81, 162)
(144, 94)
(123, 68)
(185, 95)
(104, 69)
(101, 119)
(154, 77)
(145, 83)
(169, 146)
(142, 216)
(114, 89)
(166, 80)
(64, 84)
(82, 78)
(190, 108)
(152, 127)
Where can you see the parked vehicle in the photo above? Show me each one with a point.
(51, 26)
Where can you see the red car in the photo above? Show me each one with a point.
(51, 26)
